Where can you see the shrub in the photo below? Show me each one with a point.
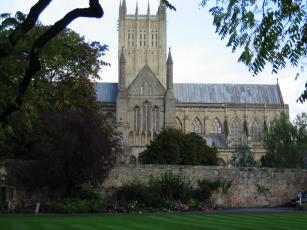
(133, 192)
(205, 189)
(171, 186)
(76, 206)
(243, 157)
(168, 193)
(193, 204)
(174, 147)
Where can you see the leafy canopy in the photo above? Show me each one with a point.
(272, 32)
(21, 27)
(58, 138)
(173, 147)
(285, 143)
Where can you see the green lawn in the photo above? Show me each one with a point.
(176, 222)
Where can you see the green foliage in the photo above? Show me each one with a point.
(133, 192)
(205, 189)
(171, 186)
(168, 187)
(60, 125)
(243, 157)
(285, 142)
(76, 206)
(262, 189)
(173, 147)
(85, 200)
(169, 192)
(272, 32)
(168, 5)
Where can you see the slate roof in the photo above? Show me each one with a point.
(228, 93)
(209, 93)
(215, 140)
(106, 92)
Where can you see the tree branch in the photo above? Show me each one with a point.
(94, 10)
(24, 27)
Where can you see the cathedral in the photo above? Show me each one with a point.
(145, 100)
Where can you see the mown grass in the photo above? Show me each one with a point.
(156, 222)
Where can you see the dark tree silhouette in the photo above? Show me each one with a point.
(94, 10)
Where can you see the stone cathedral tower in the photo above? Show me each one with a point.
(143, 38)
(145, 99)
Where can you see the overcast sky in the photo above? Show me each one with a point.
(198, 53)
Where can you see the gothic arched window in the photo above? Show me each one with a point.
(178, 124)
(146, 116)
(216, 126)
(236, 131)
(136, 118)
(256, 131)
(156, 119)
(196, 124)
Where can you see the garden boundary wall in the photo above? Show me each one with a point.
(249, 187)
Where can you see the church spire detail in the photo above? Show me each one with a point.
(122, 8)
(148, 9)
(122, 70)
(169, 64)
(137, 9)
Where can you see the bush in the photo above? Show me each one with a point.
(132, 192)
(171, 186)
(77, 206)
(174, 147)
(169, 192)
(205, 189)
(243, 157)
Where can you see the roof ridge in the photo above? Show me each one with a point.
(183, 83)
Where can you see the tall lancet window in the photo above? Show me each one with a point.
(216, 126)
(236, 130)
(136, 118)
(146, 116)
(256, 131)
(156, 119)
(196, 125)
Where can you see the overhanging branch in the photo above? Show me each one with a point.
(24, 27)
(94, 10)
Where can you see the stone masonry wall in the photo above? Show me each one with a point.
(250, 187)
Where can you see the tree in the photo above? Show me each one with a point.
(68, 63)
(17, 34)
(285, 143)
(58, 139)
(267, 32)
(173, 147)
(243, 157)
(77, 147)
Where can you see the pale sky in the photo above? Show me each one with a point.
(199, 55)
